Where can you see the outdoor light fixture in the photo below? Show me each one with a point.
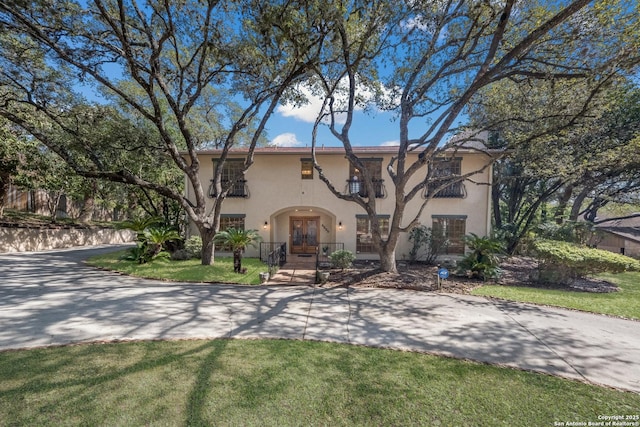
(340, 225)
(354, 185)
(265, 225)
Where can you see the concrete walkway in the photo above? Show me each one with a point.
(52, 298)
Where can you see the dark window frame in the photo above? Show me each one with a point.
(445, 167)
(374, 166)
(308, 162)
(364, 242)
(227, 221)
(232, 170)
(452, 228)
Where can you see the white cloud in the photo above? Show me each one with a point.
(393, 143)
(286, 140)
(308, 112)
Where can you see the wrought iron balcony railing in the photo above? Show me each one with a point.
(455, 190)
(355, 186)
(238, 189)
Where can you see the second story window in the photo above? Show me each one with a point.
(231, 175)
(443, 169)
(355, 182)
(306, 168)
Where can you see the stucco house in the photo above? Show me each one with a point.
(282, 197)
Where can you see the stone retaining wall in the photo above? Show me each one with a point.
(18, 239)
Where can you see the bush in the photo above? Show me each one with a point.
(342, 259)
(180, 255)
(569, 231)
(193, 246)
(563, 262)
(482, 262)
(426, 244)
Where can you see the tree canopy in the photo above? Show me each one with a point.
(227, 63)
(430, 62)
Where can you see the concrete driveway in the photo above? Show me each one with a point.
(51, 298)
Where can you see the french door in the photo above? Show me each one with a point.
(304, 234)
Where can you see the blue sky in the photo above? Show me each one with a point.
(292, 126)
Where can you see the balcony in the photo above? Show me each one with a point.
(238, 189)
(453, 191)
(355, 186)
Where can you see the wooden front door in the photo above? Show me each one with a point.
(304, 234)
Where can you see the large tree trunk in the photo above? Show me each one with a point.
(495, 201)
(387, 251)
(388, 259)
(563, 201)
(88, 204)
(208, 247)
(577, 204)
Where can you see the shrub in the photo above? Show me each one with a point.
(483, 260)
(151, 243)
(180, 255)
(342, 259)
(426, 244)
(563, 262)
(193, 246)
(569, 231)
(139, 253)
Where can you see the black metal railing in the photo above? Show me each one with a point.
(355, 186)
(273, 253)
(238, 189)
(455, 190)
(325, 250)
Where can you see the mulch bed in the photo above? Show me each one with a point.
(516, 271)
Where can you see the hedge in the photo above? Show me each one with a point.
(561, 261)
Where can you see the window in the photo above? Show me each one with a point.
(228, 221)
(443, 168)
(364, 237)
(232, 172)
(306, 168)
(355, 185)
(452, 228)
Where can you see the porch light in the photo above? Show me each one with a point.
(354, 185)
(266, 223)
(340, 225)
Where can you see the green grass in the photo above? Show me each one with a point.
(624, 303)
(282, 383)
(183, 271)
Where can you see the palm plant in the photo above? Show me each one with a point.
(483, 260)
(157, 237)
(237, 240)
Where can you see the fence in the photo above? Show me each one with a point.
(273, 253)
(324, 252)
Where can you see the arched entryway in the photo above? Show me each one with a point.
(304, 228)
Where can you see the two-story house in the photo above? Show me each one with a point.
(282, 197)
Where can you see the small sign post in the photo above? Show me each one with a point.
(443, 273)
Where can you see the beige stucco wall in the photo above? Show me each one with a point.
(39, 239)
(277, 193)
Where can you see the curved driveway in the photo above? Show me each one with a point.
(50, 298)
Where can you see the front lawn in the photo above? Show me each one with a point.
(624, 303)
(183, 271)
(283, 383)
